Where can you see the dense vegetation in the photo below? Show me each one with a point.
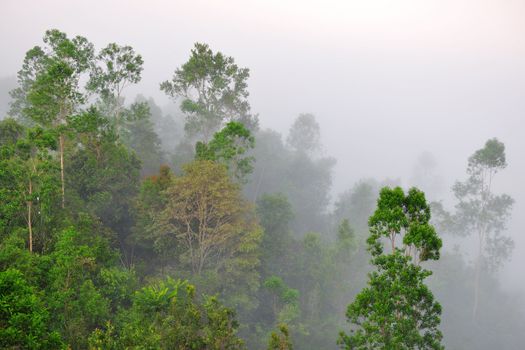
(122, 227)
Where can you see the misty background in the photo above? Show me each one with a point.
(386, 80)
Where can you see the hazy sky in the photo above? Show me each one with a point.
(387, 79)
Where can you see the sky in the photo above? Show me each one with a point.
(387, 80)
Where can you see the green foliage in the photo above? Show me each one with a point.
(24, 318)
(345, 237)
(356, 205)
(104, 339)
(119, 67)
(213, 90)
(115, 285)
(167, 315)
(12, 190)
(73, 297)
(138, 134)
(206, 228)
(14, 254)
(116, 68)
(281, 340)
(397, 310)
(407, 216)
(479, 210)
(49, 89)
(492, 156)
(166, 126)
(150, 200)
(275, 214)
(98, 276)
(285, 300)
(482, 212)
(205, 212)
(305, 180)
(29, 182)
(10, 131)
(102, 174)
(228, 147)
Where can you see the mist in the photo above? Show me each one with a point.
(386, 81)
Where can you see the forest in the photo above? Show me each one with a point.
(128, 225)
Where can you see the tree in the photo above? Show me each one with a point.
(275, 215)
(305, 134)
(156, 249)
(228, 147)
(49, 85)
(29, 181)
(6, 84)
(206, 231)
(206, 214)
(139, 135)
(10, 131)
(12, 184)
(24, 318)
(281, 340)
(165, 126)
(119, 66)
(213, 90)
(345, 238)
(479, 210)
(40, 186)
(104, 174)
(397, 310)
(169, 315)
(305, 180)
(285, 300)
(356, 205)
(72, 294)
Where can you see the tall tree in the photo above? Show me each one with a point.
(280, 340)
(138, 134)
(305, 134)
(206, 213)
(228, 147)
(305, 180)
(275, 215)
(40, 185)
(167, 127)
(482, 212)
(104, 174)
(12, 184)
(397, 310)
(356, 205)
(29, 181)
(49, 89)
(210, 232)
(118, 67)
(213, 89)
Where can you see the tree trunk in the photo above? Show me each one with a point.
(476, 281)
(61, 139)
(29, 214)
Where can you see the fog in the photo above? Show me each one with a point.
(386, 80)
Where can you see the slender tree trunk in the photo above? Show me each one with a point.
(259, 183)
(61, 140)
(29, 214)
(117, 122)
(482, 230)
(476, 280)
